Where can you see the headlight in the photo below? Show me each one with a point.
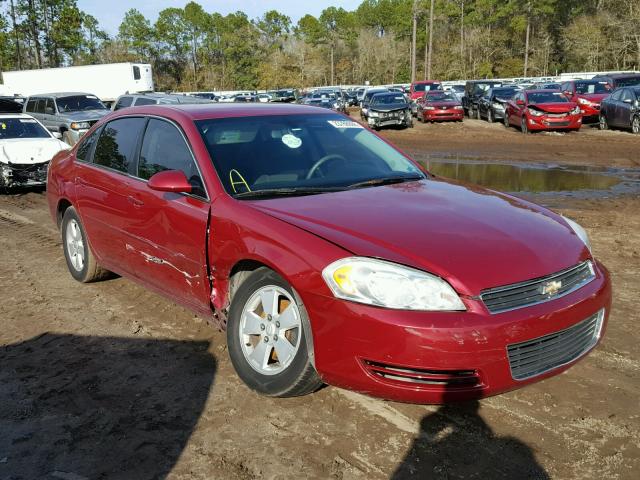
(579, 231)
(535, 113)
(374, 114)
(428, 108)
(80, 125)
(584, 101)
(498, 105)
(386, 284)
(575, 111)
(458, 107)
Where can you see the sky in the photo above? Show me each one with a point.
(111, 12)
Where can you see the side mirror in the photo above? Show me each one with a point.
(627, 100)
(520, 102)
(170, 181)
(58, 135)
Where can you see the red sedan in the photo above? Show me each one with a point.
(534, 110)
(439, 107)
(328, 255)
(588, 94)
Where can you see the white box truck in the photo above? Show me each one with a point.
(107, 81)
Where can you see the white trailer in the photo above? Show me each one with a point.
(107, 81)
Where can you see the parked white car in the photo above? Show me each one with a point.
(26, 147)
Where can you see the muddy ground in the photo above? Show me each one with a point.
(108, 380)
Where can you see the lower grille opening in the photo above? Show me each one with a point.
(426, 377)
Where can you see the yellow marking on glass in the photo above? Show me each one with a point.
(242, 181)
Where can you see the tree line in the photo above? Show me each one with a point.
(381, 41)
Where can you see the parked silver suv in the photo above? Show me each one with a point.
(137, 99)
(69, 113)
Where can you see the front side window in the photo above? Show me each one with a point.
(298, 152)
(84, 149)
(21, 128)
(116, 146)
(123, 102)
(164, 148)
(76, 103)
(49, 107)
(145, 101)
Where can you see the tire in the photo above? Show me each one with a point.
(602, 123)
(505, 120)
(472, 113)
(419, 117)
(255, 355)
(490, 118)
(478, 114)
(523, 126)
(635, 125)
(81, 262)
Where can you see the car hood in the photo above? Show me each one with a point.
(555, 107)
(593, 97)
(389, 108)
(473, 237)
(84, 115)
(30, 151)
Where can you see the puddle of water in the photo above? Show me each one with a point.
(535, 178)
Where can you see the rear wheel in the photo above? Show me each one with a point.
(505, 120)
(603, 124)
(267, 332)
(635, 124)
(81, 262)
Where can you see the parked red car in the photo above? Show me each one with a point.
(437, 106)
(534, 110)
(327, 254)
(418, 89)
(588, 94)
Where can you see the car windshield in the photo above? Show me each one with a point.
(21, 128)
(300, 154)
(425, 87)
(586, 88)
(546, 97)
(327, 95)
(628, 82)
(440, 97)
(387, 99)
(76, 103)
(480, 88)
(504, 93)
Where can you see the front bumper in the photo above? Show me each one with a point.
(378, 122)
(546, 122)
(19, 175)
(352, 342)
(590, 113)
(443, 115)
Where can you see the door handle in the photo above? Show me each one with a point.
(136, 202)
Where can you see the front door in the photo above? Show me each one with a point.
(170, 230)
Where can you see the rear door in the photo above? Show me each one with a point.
(623, 109)
(169, 229)
(49, 116)
(103, 191)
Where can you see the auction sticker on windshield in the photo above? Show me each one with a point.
(291, 141)
(345, 124)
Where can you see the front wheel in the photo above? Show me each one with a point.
(81, 262)
(478, 114)
(505, 120)
(267, 333)
(635, 124)
(523, 126)
(490, 118)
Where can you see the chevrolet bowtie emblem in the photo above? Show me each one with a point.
(551, 288)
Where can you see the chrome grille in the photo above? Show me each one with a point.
(519, 295)
(540, 355)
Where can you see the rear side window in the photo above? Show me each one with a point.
(116, 146)
(136, 73)
(164, 148)
(86, 145)
(50, 107)
(145, 101)
(123, 102)
(31, 105)
(40, 105)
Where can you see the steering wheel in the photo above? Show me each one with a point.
(327, 158)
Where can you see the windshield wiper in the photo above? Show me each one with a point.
(386, 181)
(284, 192)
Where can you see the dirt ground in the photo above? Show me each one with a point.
(110, 381)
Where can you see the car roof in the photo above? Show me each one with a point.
(542, 90)
(618, 75)
(426, 82)
(62, 94)
(14, 115)
(202, 111)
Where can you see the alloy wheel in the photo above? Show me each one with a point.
(603, 124)
(635, 124)
(270, 330)
(75, 245)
